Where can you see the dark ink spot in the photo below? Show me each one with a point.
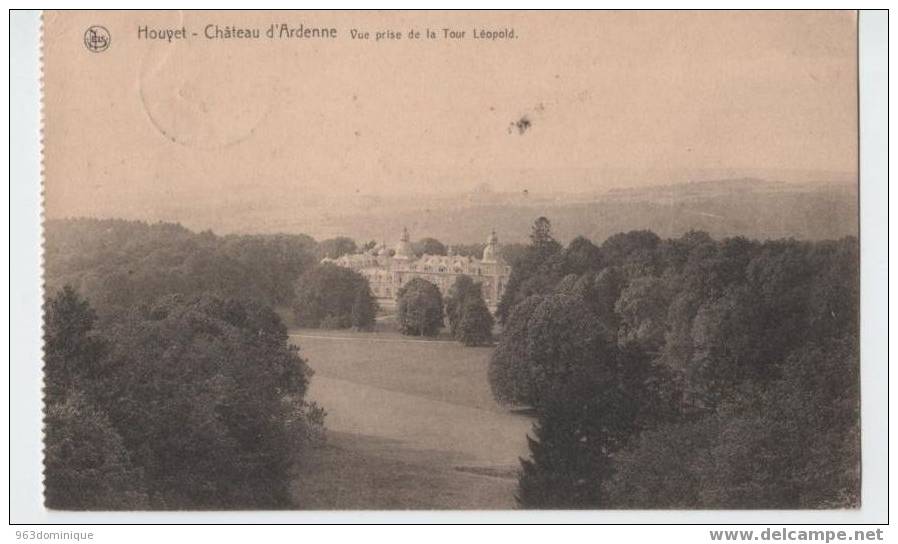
(522, 125)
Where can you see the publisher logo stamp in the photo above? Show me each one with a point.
(97, 39)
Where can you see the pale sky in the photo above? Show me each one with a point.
(611, 98)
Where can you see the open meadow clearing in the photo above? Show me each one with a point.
(411, 424)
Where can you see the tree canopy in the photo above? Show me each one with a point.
(334, 297)
(661, 371)
(193, 403)
(420, 308)
(462, 288)
(334, 248)
(428, 246)
(119, 265)
(475, 328)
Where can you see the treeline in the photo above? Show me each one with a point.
(333, 297)
(170, 382)
(342, 245)
(422, 311)
(684, 373)
(119, 264)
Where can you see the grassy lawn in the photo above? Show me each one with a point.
(411, 425)
(357, 472)
(437, 369)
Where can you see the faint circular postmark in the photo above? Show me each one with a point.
(97, 39)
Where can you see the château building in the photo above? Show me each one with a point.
(388, 271)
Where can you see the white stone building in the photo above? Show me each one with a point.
(387, 273)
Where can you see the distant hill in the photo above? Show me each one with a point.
(748, 207)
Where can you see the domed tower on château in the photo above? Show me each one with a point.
(491, 251)
(493, 267)
(404, 247)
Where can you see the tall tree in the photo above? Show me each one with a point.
(475, 327)
(420, 308)
(564, 340)
(581, 423)
(541, 232)
(461, 289)
(510, 370)
(565, 469)
(364, 308)
(530, 273)
(326, 297)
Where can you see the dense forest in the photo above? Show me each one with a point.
(684, 373)
(191, 402)
(119, 265)
(169, 380)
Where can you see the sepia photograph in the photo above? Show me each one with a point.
(451, 260)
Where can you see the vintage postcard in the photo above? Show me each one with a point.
(451, 260)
